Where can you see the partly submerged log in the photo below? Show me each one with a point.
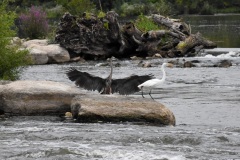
(99, 38)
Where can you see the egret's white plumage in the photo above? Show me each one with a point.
(154, 83)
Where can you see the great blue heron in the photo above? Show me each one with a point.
(154, 83)
(123, 86)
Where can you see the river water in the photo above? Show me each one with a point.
(224, 29)
(204, 100)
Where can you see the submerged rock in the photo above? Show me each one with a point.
(117, 108)
(36, 98)
(224, 64)
(188, 64)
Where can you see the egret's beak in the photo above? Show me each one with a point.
(170, 65)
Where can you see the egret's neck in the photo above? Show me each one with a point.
(164, 73)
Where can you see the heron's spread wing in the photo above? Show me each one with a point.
(130, 84)
(86, 80)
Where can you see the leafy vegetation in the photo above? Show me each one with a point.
(145, 24)
(145, 7)
(77, 7)
(132, 7)
(34, 24)
(11, 58)
(101, 14)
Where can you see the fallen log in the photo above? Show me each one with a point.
(192, 41)
(91, 37)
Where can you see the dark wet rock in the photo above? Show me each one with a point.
(117, 108)
(188, 64)
(144, 64)
(224, 64)
(36, 98)
(195, 61)
(117, 64)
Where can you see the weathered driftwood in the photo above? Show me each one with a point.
(192, 41)
(98, 38)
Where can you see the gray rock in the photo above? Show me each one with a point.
(36, 98)
(225, 64)
(117, 108)
(39, 56)
(188, 64)
(43, 53)
(42, 42)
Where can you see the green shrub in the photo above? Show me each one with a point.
(131, 9)
(34, 24)
(11, 58)
(134, 9)
(145, 24)
(55, 12)
(78, 7)
(101, 14)
(207, 9)
(160, 7)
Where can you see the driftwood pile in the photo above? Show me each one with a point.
(91, 37)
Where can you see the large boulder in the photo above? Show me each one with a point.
(36, 98)
(117, 108)
(43, 53)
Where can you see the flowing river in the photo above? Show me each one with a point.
(204, 100)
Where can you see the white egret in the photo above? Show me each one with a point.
(154, 83)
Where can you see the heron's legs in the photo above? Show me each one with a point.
(142, 92)
(150, 94)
